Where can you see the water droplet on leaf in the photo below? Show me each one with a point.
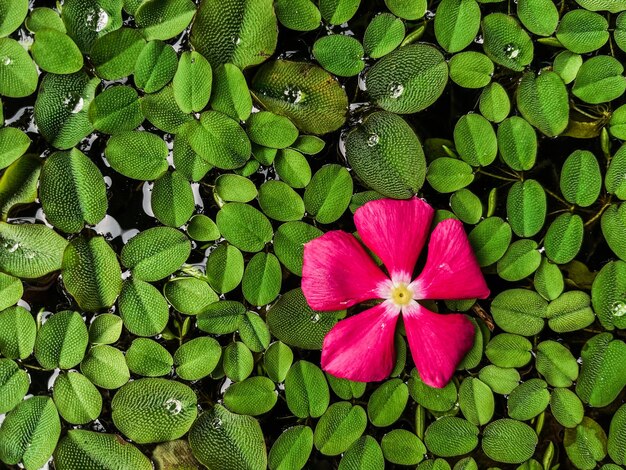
(396, 90)
(511, 51)
(373, 140)
(173, 406)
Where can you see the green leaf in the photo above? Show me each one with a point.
(220, 141)
(476, 401)
(600, 80)
(341, 55)
(76, 398)
(105, 329)
(61, 341)
(88, 449)
(607, 295)
(231, 95)
(613, 220)
(271, 130)
(189, 295)
(242, 33)
(155, 253)
(116, 109)
(18, 184)
(566, 407)
(43, 17)
(105, 367)
(11, 291)
(12, 13)
(289, 243)
(142, 308)
(299, 15)
(556, 363)
(148, 358)
(519, 311)
(582, 31)
(55, 52)
(17, 332)
(528, 399)
(346, 389)
(221, 439)
(581, 180)
(407, 9)
(13, 144)
(172, 199)
(254, 396)
(364, 454)
(18, 73)
(615, 179)
(585, 445)
(571, 311)
(292, 321)
(306, 390)
(450, 436)
(61, 109)
(456, 24)
(114, 55)
(383, 34)
(30, 251)
(564, 238)
(387, 403)
(155, 66)
(164, 19)
(408, 79)
(543, 102)
(197, 358)
(154, 410)
(508, 350)
(293, 168)
(91, 273)
(238, 361)
(339, 427)
(567, 64)
(447, 175)
(612, 6)
(305, 93)
(262, 279)
(244, 226)
(161, 110)
(548, 280)
(85, 22)
(386, 154)
(466, 206)
(138, 155)
(225, 268)
(431, 398)
(277, 361)
(517, 143)
(338, 11)
(600, 382)
(402, 447)
(540, 17)
(72, 191)
(490, 240)
(192, 82)
(14, 384)
(292, 448)
(494, 103)
(30, 433)
(526, 206)
(471, 69)
(505, 42)
(201, 228)
(509, 441)
(616, 444)
(475, 140)
(500, 380)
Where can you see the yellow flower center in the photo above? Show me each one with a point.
(401, 295)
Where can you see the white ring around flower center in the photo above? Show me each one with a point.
(398, 291)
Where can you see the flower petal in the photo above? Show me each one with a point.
(396, 231)
(337, 272)
(451, 270)
(361, 347)
(437, 342)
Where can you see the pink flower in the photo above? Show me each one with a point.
(338, 273)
